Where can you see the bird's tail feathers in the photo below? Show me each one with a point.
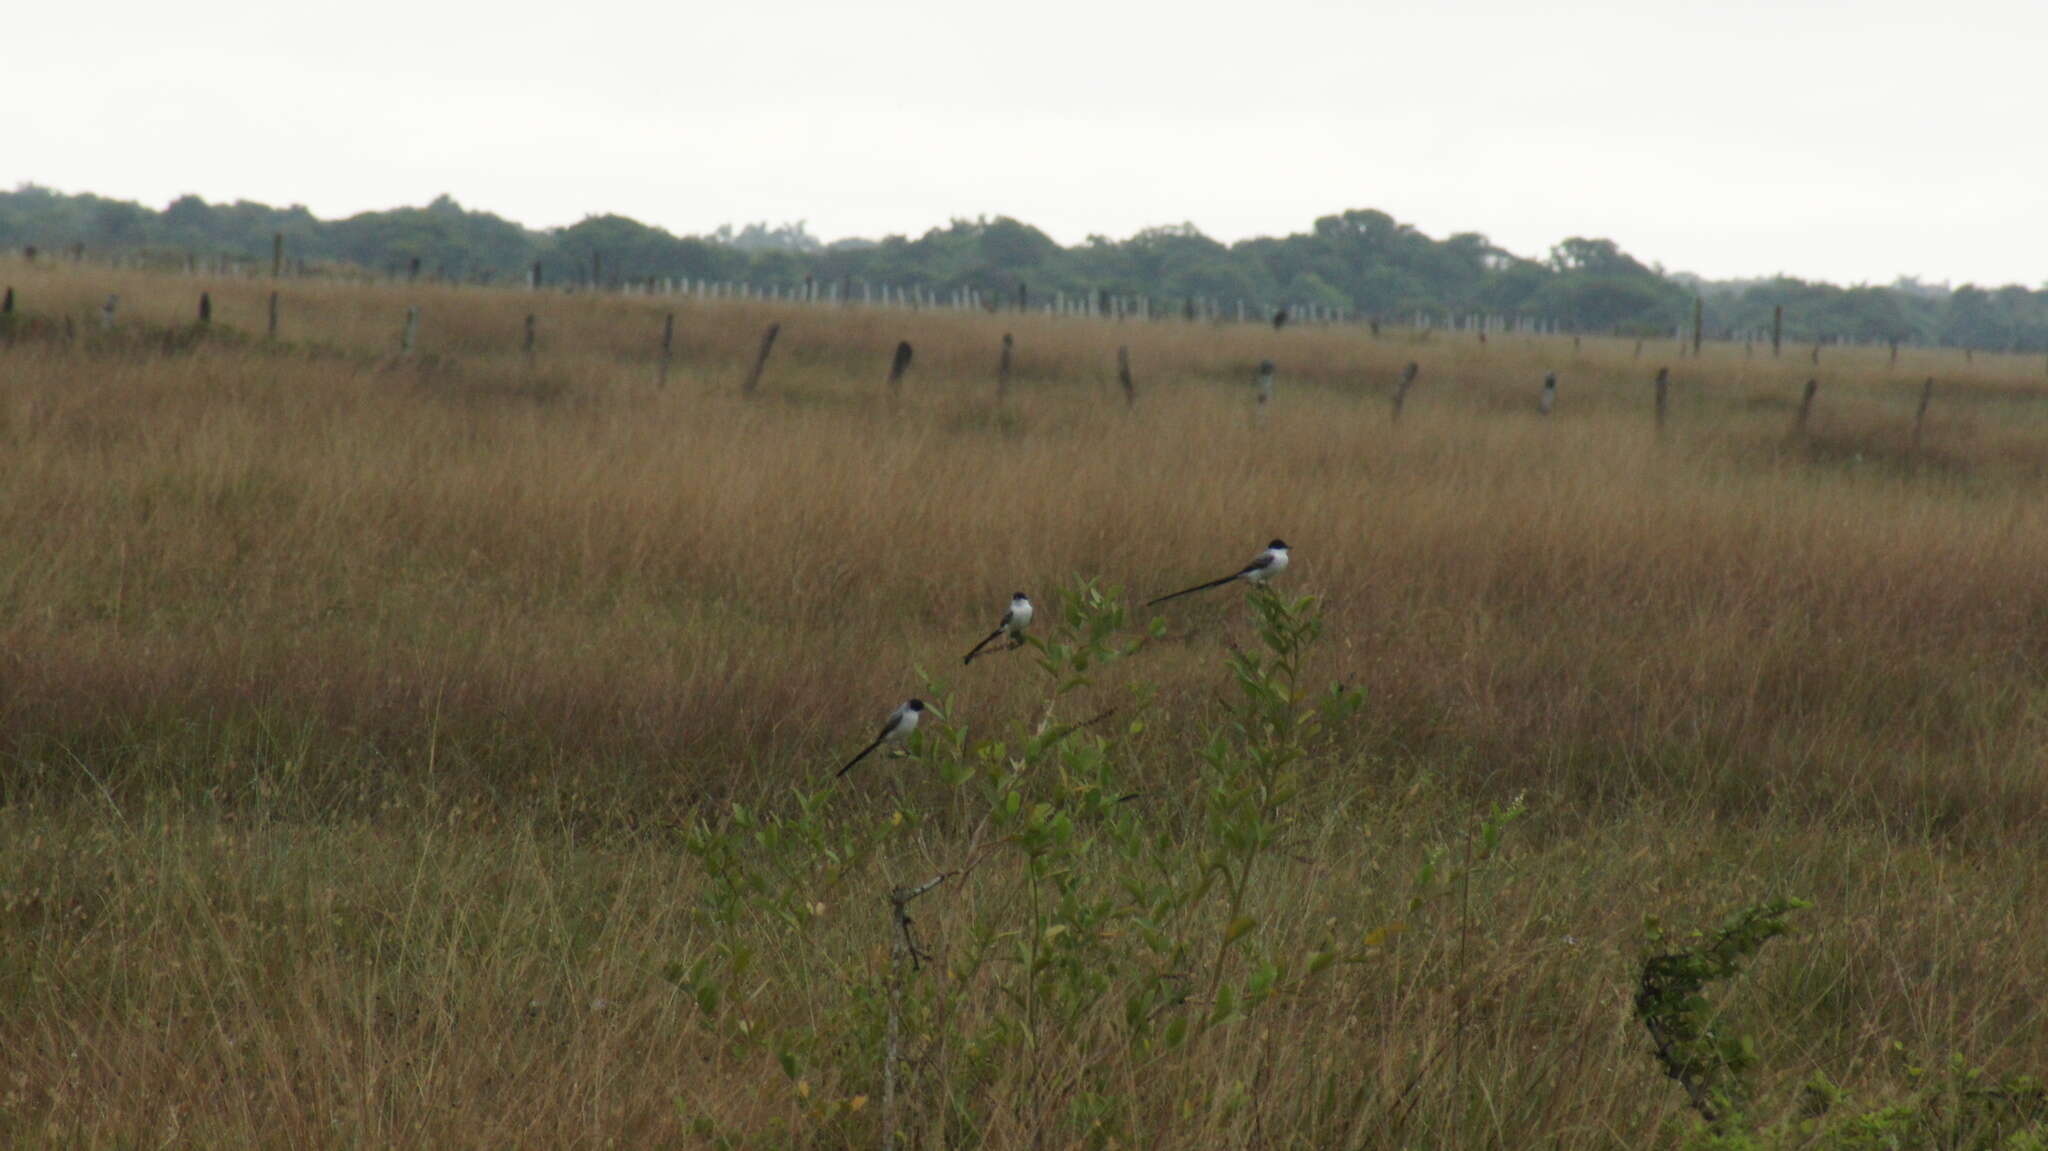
(977, 647)
(863, 755)
(1194, 589)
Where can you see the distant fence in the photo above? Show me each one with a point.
(602, 276)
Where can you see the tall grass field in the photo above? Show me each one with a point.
(437, 748)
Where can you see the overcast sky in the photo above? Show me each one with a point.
(1844, 141)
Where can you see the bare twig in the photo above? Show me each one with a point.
(902, 946)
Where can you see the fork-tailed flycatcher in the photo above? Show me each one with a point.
(1014, 622)
(1270, 563)
(900, 724)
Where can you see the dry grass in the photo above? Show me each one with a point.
(348, 698)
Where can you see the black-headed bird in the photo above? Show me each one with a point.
(900, 724)
(1014, 622)
(1270, 563)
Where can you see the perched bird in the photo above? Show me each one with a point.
(900, 724)
(1548, 399)
(1270, 563)
(1015, 620)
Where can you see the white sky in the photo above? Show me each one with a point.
(1844, 141)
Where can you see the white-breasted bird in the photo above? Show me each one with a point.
(1270, 563)
(1015, 620)
(901, 723)
(1548, 398)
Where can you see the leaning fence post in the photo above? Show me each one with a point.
(753, 380)
(1408, 375)
(7, 304)
(1920, 417)
(1003, 370)
(206, 307)
(668, 343)
(1123, 375)
(412, 329)
(1663, 387)
(270, 326)
(897, 366)
(1805, 410)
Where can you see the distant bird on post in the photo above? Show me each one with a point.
(1548, 399)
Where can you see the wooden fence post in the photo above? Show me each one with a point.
(1895, 353)
(1280, 318)
(668, 343)
(1408, 375)
(1805, 410)
(527, 345)
(7, 305)
(1123, 375)
(1920, 417)
(1777, 329)
(276, 254)
(270, 326)
(413, 270)
(1003, 370)
(1663, 386)
(897, 366)
(1265, 384)
(412, 329)
(1698, 312)
(1816, 351)
(107, 311)
(753, 380)
(206, 308)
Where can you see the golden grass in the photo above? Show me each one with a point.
(348, 697)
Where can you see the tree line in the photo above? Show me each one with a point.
(1360, 262)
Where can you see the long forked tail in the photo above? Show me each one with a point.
(1194, 589)
(977, 647)
(863, 755)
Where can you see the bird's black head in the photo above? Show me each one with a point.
(1550, 378)
(1280, 545)
(1265, 367)
(1019, 595)
(915, 705)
